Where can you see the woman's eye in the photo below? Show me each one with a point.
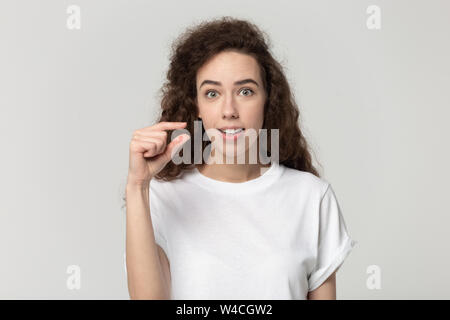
(207, 94)
(247, 89)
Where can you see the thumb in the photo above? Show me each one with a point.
(175, 146)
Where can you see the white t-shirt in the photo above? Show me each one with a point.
(274, 237)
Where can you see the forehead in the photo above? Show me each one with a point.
(229, 66)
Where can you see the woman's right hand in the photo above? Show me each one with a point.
(149, 153)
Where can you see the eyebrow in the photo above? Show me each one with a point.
(236, 83)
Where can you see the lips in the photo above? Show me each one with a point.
(232, 136)
(232, 131)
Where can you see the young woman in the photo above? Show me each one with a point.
(212, 229)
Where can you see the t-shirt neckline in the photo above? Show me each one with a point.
(269, 176)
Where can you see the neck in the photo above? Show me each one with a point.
(232, 171)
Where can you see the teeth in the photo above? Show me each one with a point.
(232, 131)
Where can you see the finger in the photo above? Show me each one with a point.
(143, 147)
(147, 133)
(159, 141)
(175, 146)
(166, 125)
(155, 135)
(165, 157)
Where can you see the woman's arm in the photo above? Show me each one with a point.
(326, 291)
(146, 278)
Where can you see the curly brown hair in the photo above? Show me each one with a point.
(178, 94)
(200, 43)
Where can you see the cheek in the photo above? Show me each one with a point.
(206, 113)
(255, 115)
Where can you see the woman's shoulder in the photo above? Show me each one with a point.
(304, 179)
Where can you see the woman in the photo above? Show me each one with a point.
(215, 229)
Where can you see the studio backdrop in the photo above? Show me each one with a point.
(371, 79)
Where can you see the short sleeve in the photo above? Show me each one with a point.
(158, 227)
(334, 242)
(158, 223)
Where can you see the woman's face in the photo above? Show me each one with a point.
(230, 93)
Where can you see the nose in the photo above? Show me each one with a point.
(229, 108)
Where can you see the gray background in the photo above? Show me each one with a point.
(374, 104)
